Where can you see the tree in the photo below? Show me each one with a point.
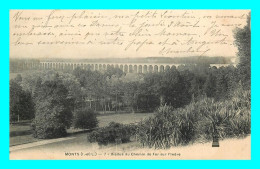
(53, 109)
(21, 103)
(115, 91)
(232, 78)
(94, 85)
(131, 95)
(149, 92)
(75, 91)
(187, 77)
(221, 84)
(243, 43)
(18, 78)
(196, 89)
(85, 119)
(113, 71)
(35, 78)
(173, 88)
(210, 86)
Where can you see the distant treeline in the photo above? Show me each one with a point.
(19, 65)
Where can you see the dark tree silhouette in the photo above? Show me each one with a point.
(243, 43)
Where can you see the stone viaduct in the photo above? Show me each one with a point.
(125, 67)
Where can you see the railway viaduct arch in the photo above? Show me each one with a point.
(125, 67)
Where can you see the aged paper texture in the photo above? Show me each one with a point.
(143, 70)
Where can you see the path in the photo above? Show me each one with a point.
(79, 148)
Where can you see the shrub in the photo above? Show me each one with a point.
(48, 129)
(85, 119)
(166, 129)
(198, 121)
(230, 118)
(111, 133)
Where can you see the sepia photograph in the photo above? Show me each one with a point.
(129, 84)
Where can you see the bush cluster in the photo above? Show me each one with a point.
(48, 129)
(198, 121)
(112, 133)
(85, 119)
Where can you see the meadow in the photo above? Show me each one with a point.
(21, 133)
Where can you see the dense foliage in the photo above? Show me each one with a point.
(21, 102)
(114, 133)
(53, 109)
(243, 43)
(198, 121)
(85, 119)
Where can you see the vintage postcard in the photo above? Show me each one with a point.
(130, 84)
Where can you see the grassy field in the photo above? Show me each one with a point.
(122, 118)
(21, 133)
